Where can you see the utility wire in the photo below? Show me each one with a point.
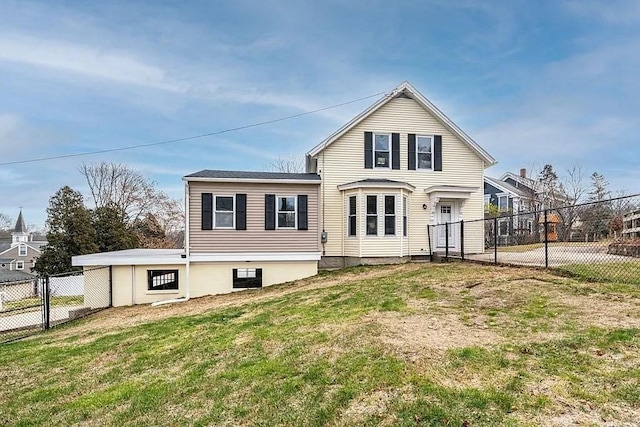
(188, 138)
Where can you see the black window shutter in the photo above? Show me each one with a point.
(207, 211)
(412, 151)
(368, 150)
(437, 152)
(302, 212)
(269, 211)
(241, 211)
(395, 151)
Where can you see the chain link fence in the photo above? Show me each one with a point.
(32, 304)
(593, 241)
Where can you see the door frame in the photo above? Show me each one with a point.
(454, 239)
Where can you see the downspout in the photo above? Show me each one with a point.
(187, 252)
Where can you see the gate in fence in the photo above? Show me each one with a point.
(29, 304)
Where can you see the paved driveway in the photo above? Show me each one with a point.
(34, 318)
(558, 255)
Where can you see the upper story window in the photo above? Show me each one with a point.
(22, 250)
(372, 215)
(503, 203)
(224, 212)
(286, 212)
(382, 150)
(353, 200)
(424, 148)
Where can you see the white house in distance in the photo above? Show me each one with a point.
(368, 195)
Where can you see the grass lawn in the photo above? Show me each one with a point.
(624, 272)
(532, 246)
(416, 344)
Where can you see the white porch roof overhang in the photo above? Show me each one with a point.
(436, 193)
(377, 183)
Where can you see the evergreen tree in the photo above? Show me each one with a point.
(69, 232)
(597, 215)
(112, 230)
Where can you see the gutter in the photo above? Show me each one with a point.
(187, 253)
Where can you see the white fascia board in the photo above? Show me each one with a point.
(107, 259)
(253, 181)
(426, 104)
(394, 185)
(256, 256)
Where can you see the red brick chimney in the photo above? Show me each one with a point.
(523, 173)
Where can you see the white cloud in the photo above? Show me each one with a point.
(89, 61)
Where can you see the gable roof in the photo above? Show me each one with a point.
(526, 182)
(506, 187)
(405, 89)
(247, 176)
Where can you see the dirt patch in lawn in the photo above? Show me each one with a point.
(418, 334)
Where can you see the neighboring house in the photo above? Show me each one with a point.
(631, 225)
(370, 192)
(22, 252)
(396, 168)
(244, 230)
(514, 208)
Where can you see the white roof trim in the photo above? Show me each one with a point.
(256, 256)
(426, 104)
(497, 184)
(174, 256)
(131, 257)
(254, 180)
(450, 189)
(398, 185)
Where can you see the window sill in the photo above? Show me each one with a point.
(168, 291)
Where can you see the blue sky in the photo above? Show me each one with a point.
(532, 82)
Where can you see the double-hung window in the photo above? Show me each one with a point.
(389, 215)
(286, 211)
(382, 150)
(22, 250)
(424, 148)
(503, 203)
(372, 215)
(19, 265)
(404, 216)
(224, 212)
(353, 200)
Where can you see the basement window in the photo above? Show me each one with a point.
(244, 278)
(162, 280)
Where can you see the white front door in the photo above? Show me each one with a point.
(446, 214)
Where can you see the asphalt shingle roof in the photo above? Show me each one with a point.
(7, 276)
(207, 173)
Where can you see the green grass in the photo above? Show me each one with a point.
(31, 303)
(620, 272)
(532, 246)
(319, 356)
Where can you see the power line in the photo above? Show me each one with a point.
(204, 135)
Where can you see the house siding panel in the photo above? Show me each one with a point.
(341, 164)
(255, 238)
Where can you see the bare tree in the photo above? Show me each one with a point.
(290, 164)
(5, 222)
(573, 190)
(118, 186)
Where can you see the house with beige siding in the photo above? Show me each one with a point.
(369, 195)
(244, 230)
(392, 171)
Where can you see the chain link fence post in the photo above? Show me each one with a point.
(546, 239)
(462, 239)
